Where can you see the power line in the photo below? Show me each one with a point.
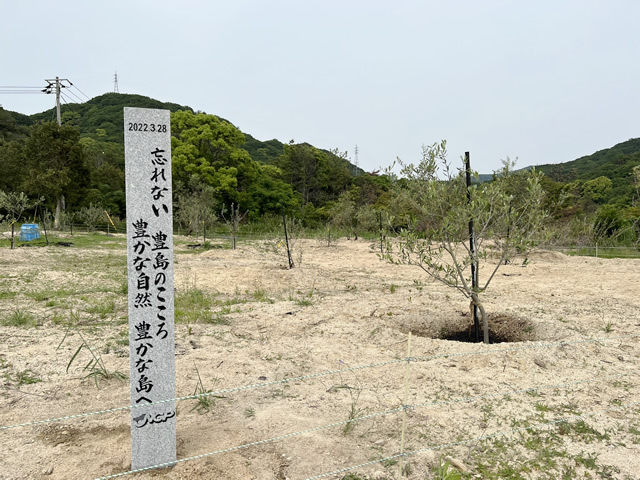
(67, 101)
(16, 92)
(86, 96)
(70, 92)
(17, 89)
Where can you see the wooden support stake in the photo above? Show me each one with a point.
(404, 404)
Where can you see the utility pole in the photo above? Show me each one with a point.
(58, 85)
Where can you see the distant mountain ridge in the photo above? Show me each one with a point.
(615, 163)
(103, 116)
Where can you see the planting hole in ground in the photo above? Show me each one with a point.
(503, 327)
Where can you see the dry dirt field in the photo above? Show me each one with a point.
(559, 401)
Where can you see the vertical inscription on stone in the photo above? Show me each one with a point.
(147, 139)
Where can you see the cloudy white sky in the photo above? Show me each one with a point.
(545, 81)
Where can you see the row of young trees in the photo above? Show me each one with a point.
(212, 170)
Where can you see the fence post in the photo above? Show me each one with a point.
(404, 404)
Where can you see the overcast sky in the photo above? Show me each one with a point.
(545, 81)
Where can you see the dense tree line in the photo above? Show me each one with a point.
(215, 166)
(81, 164)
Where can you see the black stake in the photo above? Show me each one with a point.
(44, 226)
(234, 221)
(381, 236)
(472, 247)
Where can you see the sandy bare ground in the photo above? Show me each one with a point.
(341, 307)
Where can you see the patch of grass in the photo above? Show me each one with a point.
(95, 240)
(582, 431)
(533, 450)
(3, 363)
(250, 412)
(124, 287)
(25, 377)
(446, 472)
(393, 287)
(541, 407)
(19, 318)
(193, 305)
(102, 309)
(95, 368)
(41, 295)
(304, 302)
(260, 295)
(588, 461)
(123, 338)
(608, 327)
(7, 294)
(205, 401)
(217, 318)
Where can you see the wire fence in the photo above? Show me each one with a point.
(401, 408)
(598, 251)
(256, 232)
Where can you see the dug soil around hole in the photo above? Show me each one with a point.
(459, 327)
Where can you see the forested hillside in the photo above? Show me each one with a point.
(615, 163)
(216, 166)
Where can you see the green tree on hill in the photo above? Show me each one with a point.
(55, 165)
(211, 148)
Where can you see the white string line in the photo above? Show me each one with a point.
(364, 417)
(206, 394)
(310, 376)
(525, 347)
(504, 433)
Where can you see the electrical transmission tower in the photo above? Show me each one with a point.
(356, 160)
(115, 83)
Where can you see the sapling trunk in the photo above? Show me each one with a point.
(476, 305)
(286, 239)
